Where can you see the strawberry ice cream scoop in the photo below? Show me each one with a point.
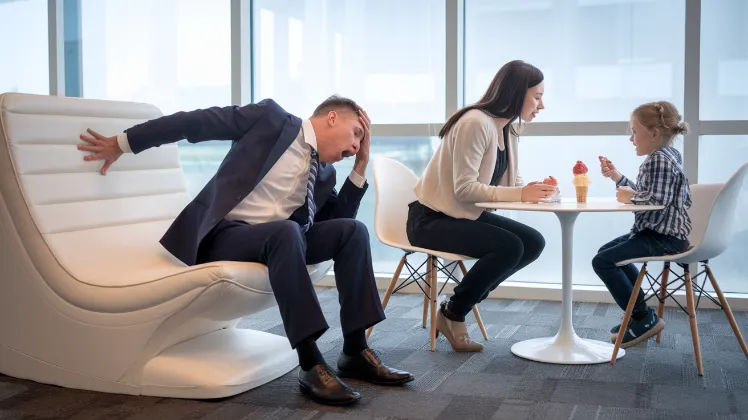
(580, 168)
(551, 181)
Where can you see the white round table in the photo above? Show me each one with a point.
(566, 347)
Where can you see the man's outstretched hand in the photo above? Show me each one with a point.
(103, 148)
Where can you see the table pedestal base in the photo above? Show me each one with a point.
(567, 350)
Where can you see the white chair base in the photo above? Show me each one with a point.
(223, 363)
(215, 365)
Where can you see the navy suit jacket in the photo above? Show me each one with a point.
(260, 134)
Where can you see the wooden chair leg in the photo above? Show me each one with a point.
(728, 311)
(462, 267)
(427, 290)
(478, 319)
(434, 292)
(663, 293)
(390, 288)
(627, 314)
(692, 320)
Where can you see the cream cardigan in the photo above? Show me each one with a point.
(459, 173)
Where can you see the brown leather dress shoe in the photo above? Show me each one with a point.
(368, 367)
(324, 387)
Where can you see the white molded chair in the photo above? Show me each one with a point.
(88, 297)
(394, 184)
(713, 213)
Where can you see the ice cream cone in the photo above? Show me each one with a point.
(581, 181)
(582, 194)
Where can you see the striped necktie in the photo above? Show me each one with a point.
(311, 205)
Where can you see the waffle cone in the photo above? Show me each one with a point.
(582, 194)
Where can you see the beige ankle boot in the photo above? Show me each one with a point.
(456, 333)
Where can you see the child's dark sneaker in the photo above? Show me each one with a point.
(614, 331)
(639, 331)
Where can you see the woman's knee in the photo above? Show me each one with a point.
(509, 248)
(534, 244)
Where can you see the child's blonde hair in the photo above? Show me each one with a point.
(663, 116)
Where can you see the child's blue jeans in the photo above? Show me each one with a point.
(620, 280)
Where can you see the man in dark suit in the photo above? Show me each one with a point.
(273, 200)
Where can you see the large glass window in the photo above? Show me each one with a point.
(175, 54)
(388, 55)
(601, 58)
(200, 161)
(724, 60)
(719, 158)
(24, 47)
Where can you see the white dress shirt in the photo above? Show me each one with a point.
(283, 189)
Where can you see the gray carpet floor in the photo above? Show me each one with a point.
(653, 381)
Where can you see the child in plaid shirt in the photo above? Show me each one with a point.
(661, 181)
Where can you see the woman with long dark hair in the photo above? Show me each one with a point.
(477, 162)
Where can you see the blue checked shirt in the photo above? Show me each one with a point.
(661, 181)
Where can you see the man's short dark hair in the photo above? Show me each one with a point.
(335, 103)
